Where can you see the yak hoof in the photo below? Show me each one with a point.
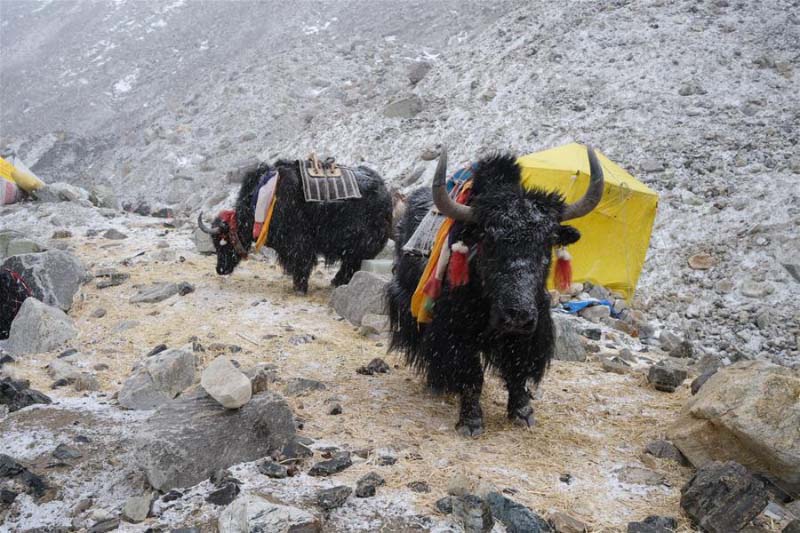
(470, 427)
(522, 416)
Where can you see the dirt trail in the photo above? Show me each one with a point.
(589, 423)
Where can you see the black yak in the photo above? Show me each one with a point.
(348, 231)
(502, 312)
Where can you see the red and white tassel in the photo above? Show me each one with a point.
(458, 270)
(563, 273)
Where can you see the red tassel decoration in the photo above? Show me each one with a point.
(563, 274)
(433, 287)
(458, 269)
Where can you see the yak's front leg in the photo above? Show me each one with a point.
(520, 360)
(470, 416)
(453, 365)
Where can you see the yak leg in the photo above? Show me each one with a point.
(346, 270)
(301, 273)
(470, 416)
(453, 364)
(519, 362)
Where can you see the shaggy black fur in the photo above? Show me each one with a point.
(12, 294)
(503, 314)
(348, 231)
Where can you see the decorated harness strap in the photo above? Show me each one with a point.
(446, 258)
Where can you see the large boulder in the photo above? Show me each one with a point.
(251, 514)
(364, 294)
(53, 276)
(569, 346)
(188, 439)
(748, 413)
(158, 379)
(39, 328)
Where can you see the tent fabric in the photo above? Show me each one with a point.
(16, 172)
(616, 234)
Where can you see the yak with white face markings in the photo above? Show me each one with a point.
(345, 231)
(501, 316)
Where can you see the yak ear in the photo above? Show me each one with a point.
(566, 235)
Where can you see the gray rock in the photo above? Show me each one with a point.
(638, 475)
(299, 386)
(376, 366)
(654, 524)
(516, 517)
(595, 313)
(700, 380)
(114, 235)
(53, 276)
(186, 440)
(664, 449)
(17, 394)
(61, 370)
(363, 295)
(224, 495)
(684, 349)
(666, 377)
(60, 192)
(273, 470)
(65, 452)
(39, 328)
(22, 246)
(104, 196)
(253, 514)
(403, 107)
(226, 383)
(202, 242)
(368, 484)
(334, 497)
(381, 267)
(564, 523)
(445, 505)
(652, 165)
(723, 497)
(159, 379)
(339, 462)
(156, 292)
(137, 508)
(417, 71)
(109, 524)
(112, 279)
(569, 346)
(473, 514)
(387, 252)
(374, 324)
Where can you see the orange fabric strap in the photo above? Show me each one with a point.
(262, 237)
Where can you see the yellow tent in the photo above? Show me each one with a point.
(615, 236)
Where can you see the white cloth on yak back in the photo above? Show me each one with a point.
(265, 194)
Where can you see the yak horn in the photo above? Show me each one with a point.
(446, 205)
(204, 228)
(593, 193)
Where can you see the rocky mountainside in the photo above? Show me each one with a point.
(161, 100)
